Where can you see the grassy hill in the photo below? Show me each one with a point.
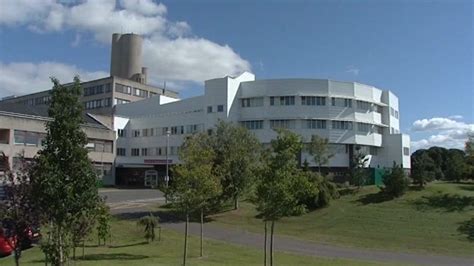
(421, 221)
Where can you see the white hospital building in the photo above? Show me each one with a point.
(353, 116)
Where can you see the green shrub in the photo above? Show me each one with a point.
(396, 182)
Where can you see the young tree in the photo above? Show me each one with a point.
(423, 169)
(237, 151)
(319, 149)
(195, 181)
(63, 178)
(282, 184)
(357, 171)
(469, 149)
(18, 209)
(396, 182)
(103, 222)
(149, 223)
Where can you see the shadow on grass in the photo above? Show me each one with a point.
(447, 202)
(165, 216)
(347, 191)
(130, 245)
(468, 188)
(374, 198)
(112, 256)
(467, 228)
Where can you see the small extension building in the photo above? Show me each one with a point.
(353, 116)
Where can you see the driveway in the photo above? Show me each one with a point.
(134, 203)
(122, 200)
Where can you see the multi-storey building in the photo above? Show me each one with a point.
(127, 83)
(22, 131)
(353, 116)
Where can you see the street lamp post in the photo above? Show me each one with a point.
(167, 178)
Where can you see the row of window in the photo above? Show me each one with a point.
(312, 124)
(219, 109)
(133, 91)
(99, 103)
(162, 131)
(310, 100)
(393, 112)
(36, 139)
(100, 145)
(98, 89)
(154, 151)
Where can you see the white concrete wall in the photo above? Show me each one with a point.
(229, 91)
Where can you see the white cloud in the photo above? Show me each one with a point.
(21, 78)
(456, 117)
(170, 50)
(445, 132)
(438, 123)
(353, 70)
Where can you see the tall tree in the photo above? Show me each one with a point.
(456, 167)
(357, 170)
(319, 149)
(396, 182)
(423, 169)
(469, 149)
(237, 151)
(63, 179)
(282, 184)
(195, 181)
(18, 209)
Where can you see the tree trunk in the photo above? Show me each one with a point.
(271, 243)
(83, 248)
(17, 254)
(202, 231)
(265, 247)
(236, 202)
(185, 238)
(74, 251)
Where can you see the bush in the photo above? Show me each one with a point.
(396, 182)
(322, 191)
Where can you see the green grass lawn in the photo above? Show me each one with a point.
(129, 248)
(420, 221)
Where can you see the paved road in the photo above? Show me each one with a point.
(135, 203)
(122, 200)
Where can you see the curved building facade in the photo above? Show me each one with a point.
(354, 117)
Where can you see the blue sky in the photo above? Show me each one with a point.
(421, 50)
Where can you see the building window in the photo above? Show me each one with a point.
(313, 100)
(123, 89)
(316, 124)
(341, 102)
(406, 151)
(282, 124)
(348, 103)
(121, 152)
(107, 102)
(252, 102)
(135, 152)
(333, 101)
(252, 125)
(373, 150)
(121, 133)
(220, 108)
(396, 114)
(363, 105)
(144, 152)
(342, 125)
(140, 93)
(282, 100)
(20, 137)
(209, 109)
(120, 101)
(136, 133)
(363, 127)
(108, 87)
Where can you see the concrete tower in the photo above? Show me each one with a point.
(126, 57)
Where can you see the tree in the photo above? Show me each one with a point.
(469, 149)
(456, 165)
(18, 209)
(322, 191)
(82, 226)
(396, 182)
(103, 222)
(282, 184)
(63, 178)
(195, 181)
(319, 149)
(423, 169)
(237, 151)
(357, 171)
(149, 223)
